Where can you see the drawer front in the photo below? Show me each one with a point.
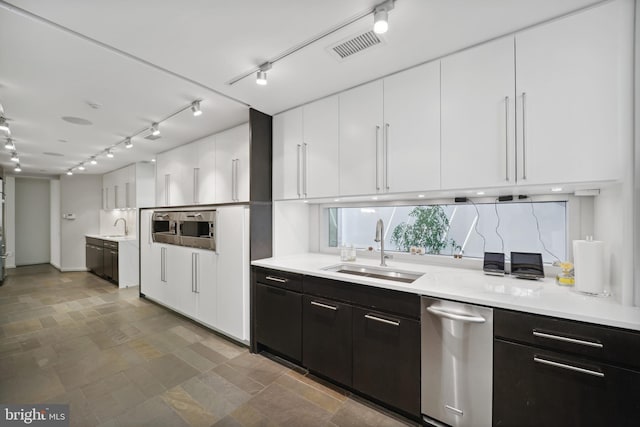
(327, 288)
(583, 339)
(278, 320)
(402, 303)
(95, 242)
(535, 387)
(279, 279)
(111, 245)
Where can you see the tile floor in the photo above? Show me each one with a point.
(119, 360)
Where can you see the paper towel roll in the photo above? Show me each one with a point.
(588, 257)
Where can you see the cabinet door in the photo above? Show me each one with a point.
(412, 129)
(206, 286)
(574, 96)
(478, 112)
(326, 338)
(535, 387)
(278, 321)
(361, 140)
(181, 184)
(320, 149)
(287, 152)
(163, 175)
(115, 265)
(386, 359)
(181, 279)
(107, 262)
(232, 165)
(205, 174)
(232, 247)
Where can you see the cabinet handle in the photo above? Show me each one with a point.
(237, 168)
(381, 320)
(567, 339)
(167, 186)
(568, 367)
(386, 156)
(304, 170)
(455, 316)
(196, 185)
(163, 265)
(377, 158)
(194, 273)
(506, 138)
(524, 135)
(454, 410)
(327, 306)
(276, 279)
(298, 170)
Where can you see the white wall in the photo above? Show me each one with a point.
(636, 169)
(54, 191)
(291, 224)
(10, 221)
(80, 195)
(33, 222)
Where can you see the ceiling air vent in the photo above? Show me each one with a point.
(355, 44)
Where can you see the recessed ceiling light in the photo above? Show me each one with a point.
(556, 189)
(480, 193)
(93, 161)
(155, 130)
(336, 200)
(195, 107)
(305, 201)
(153, 160)
(62, 140)
(128, 143)
(421, 195)
(374, 198)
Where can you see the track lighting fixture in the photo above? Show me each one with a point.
(14, 157)
(381, 17)
(4, 125)
(110, 154)
(261, 76)
(81, 167)
(17, 168)
(9, 145)
(93, 161)
(128, 143)
(195, 107)
(70, 172)
(155, 130)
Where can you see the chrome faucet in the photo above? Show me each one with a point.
(380, 238)
(126, 229)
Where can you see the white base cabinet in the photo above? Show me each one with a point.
(207, 286)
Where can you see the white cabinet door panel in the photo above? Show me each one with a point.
(232, 165)
(206, 286)
(287, 146)
(204, 175)
(478, 117)
(320, 149)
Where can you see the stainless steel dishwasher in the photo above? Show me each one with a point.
(457, 362)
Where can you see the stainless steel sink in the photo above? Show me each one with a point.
(375, 273)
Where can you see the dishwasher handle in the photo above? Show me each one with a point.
(455, 316)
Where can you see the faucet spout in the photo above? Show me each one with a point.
(380, 238)
(126, 229)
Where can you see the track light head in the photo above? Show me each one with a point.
(155, 129)
(70, 172)
(81, 167)
(195, 107)
(93, 161)
(9, 145)
(4, 125)
(110, 154)
(14, 157)
(128, 143)
(261, 76)
(381, 17)
(17, 168)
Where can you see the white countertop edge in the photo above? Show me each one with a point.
(542, 297)
(112, 238)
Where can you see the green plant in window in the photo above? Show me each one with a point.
(428, 230)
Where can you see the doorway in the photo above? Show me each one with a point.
(33, 221)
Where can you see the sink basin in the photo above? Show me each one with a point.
(375, 272)
(114, 235)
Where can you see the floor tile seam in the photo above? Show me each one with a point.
(195, 401)
(341, 402)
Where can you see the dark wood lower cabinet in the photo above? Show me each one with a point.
(326, 338)
(386, 354)
(536, 387)
(278, 320)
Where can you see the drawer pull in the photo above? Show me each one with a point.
(567, 339)
(379, 319)
(327, 306)
(568, 367)
(455, 316)
(454, 410)
(276, 279)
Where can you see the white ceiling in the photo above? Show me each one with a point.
(144, 60)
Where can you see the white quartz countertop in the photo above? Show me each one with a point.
(473, 286)
(112, 238)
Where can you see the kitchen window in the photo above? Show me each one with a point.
(468, 228)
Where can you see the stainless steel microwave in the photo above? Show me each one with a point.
(164, 227)
(197, 229)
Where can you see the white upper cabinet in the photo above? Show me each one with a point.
(287, 152)
(232, 165)
(412, 130)
(478, 112)
(574, 90)
(204, 173)
(320, 149)
(361, 140)
(118, 188)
